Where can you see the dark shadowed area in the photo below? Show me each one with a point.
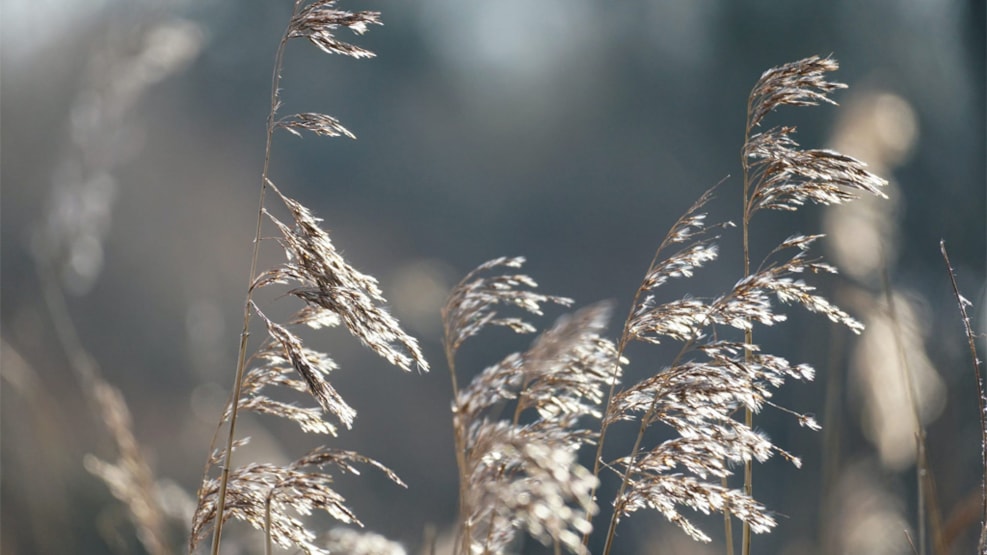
(570, 132)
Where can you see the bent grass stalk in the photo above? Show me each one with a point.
(245, 332)
(458, 441)
(625, 338)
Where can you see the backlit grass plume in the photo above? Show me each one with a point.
(522, 473)
(273, 497)
(715, 376)
(779, 175)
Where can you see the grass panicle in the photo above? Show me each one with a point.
(779, 175)
(266, 495)
(332, 292)
(472, 304)
(131, 478)
(711, 378)
(523, 473)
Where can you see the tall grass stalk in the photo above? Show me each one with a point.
(241, 357)
(332, 293)
(962, 303)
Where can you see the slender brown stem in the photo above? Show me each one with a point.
(621, 345)
(268, 540)
(598, 458)
(615, 516)
(245, 333)
(645, 422)
(748, 333)
(624, 339)
(748, 480)
(922, 473)
(597, 461)
(981, 399)
(459, 437)
(727, 524)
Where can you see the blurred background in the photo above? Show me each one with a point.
(571, 132)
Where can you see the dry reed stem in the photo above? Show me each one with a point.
(245, 331)
(689, 228)
(691, 224)
(925, 480)
(962, 303)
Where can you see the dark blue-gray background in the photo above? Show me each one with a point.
(570, 132)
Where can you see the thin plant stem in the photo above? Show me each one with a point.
(922, 469)
(748, 333)
(598, 458)
(615, 518)
(727, 522)
(621, 346)
(245, 333)
(460, 445)
(981, 399)
(597, 461)
(268, 542)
